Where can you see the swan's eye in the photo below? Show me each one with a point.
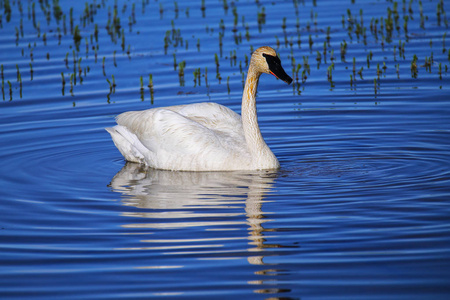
(271, 59)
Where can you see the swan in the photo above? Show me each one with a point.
(202, 136)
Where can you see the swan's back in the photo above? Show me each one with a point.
(195, 137)
(211, 115)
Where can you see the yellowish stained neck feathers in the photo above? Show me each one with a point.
(260, 152)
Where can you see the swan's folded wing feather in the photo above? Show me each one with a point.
(213, 116)
(169, 131)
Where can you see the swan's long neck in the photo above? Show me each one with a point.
(262, 156)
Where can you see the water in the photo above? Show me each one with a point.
(358, 210)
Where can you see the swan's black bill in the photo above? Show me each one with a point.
(276, 69)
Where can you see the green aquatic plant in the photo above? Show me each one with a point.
(221, 42)
(80, 70)
(216, 59)
(197, 75)
(297, 69)
(443, 42)
(401, 49)
(181, 67)
(150, 81)
(63, 82)
(306, 64)
(414, 70)
(20, 86)
(427, 64)
(325, 51)
(360, 73)
(283, 26)
(31, 72)
(304, 76)
(422, 17)
(318, 59)
(123, 40)
(405, 23)
(161, 10)
(247, 33)
(113, 82)
(10, 91)
(330, 72)
(174, 62)
(96, 33)
(33, 13)
(236, 17)
(176, 9)
(3, 76)
(354, 65)
(71, 83)
(103, 65)
(77, 37)
(17, 36)
(66, 60)
(261, 18)
(343, 50)
(203, 8)
(7, 10)
(87, 45)
(225, 5)
(328, 37)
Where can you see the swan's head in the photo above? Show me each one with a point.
(265, 60)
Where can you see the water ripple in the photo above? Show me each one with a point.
(358, 210)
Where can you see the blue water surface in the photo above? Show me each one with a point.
(359, 209)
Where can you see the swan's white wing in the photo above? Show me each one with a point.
(163, 128)
(127, 143)
(212, 115)
(174, 132)
(191, 137)
(174, 141)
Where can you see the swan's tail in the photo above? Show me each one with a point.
(127, 143)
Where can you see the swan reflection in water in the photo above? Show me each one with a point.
(210, 200)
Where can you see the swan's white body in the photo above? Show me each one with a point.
(199, 137)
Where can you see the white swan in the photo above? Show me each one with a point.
(202, 136)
